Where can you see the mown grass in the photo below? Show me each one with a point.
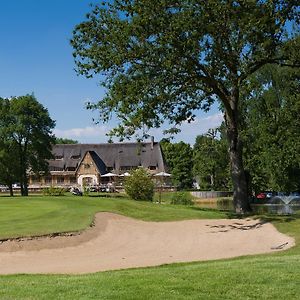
(272, 276)
(39, 215)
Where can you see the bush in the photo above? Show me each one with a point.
(139, 185)
(54, 191)
(183, 198)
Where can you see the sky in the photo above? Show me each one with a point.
(36, 57)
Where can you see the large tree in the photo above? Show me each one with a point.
(9, 167)
(165, 59)
(26, 127)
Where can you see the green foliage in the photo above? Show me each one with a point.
(54, 191)
(26, 132)
(139, 186)
(65, 141)
(163, 60)
(271, 130)
(211, 161)
(179, 159)
(182, 198)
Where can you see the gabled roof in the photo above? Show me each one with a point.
(98, 162)
(115, 155)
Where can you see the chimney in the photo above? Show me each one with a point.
(152, 142)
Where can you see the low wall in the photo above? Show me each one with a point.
(211, 194)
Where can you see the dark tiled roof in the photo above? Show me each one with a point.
(99, 162)
(115, 156)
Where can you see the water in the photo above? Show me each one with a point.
(280, 205)
(224, 204)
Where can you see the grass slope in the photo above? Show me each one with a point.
(275, 276)
(38, 215)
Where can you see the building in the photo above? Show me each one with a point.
(85, 164)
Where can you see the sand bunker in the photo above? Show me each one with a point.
(118, 242)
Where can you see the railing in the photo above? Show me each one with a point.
(211, 194)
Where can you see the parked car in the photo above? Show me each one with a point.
(261, 195)
(295, 194)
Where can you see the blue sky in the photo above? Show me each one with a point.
(36, 57)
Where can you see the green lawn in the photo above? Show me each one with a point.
(39, 215)
(275, 276)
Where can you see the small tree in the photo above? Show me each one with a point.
(139, 185)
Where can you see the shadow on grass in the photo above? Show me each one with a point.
(280, 219)
(108, 195)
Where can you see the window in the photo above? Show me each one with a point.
(73, 179)
(75, 156)
(35, 179)
(152, 167)
(48, 180)
(59, 157)
(60, 179)
(125, 168)
(71, 169)
(51, 168)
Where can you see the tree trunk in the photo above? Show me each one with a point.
(11, 191)
(240, 189)
(212, 182)
(24, 184)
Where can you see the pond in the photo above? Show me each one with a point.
(279, 205)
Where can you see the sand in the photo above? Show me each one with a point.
(118, 242)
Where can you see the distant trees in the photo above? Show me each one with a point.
(211, 161)
(179, 158)
(271, 130)
(25, 139)
(59, 140)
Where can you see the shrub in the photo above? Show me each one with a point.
(54, 191)
(183, 198)
(139, 185)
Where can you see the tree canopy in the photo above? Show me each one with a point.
(271, 130)
(59, 140)
(163, 60)
(26, 136)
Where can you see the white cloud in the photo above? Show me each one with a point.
(189, 131)
(84, 135)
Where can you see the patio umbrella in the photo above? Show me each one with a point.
(125, 174)
(110, 175)
(162, 174)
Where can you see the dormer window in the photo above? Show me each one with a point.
(59, 157)
(75, 156)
